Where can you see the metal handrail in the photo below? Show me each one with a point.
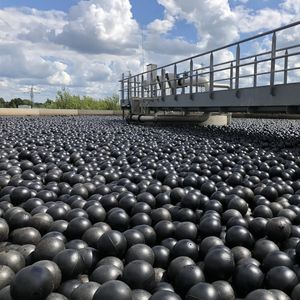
(223, 47)
(137, 86)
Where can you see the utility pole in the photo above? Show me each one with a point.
(32, 92)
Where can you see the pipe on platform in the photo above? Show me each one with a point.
(165, 118)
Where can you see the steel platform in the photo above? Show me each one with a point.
(251, 81)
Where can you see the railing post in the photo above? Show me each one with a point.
(273, 60)
(142, 86)
(174, 92)
(286, 65)
(134, 86)
(255, 72)
(151, 84)
(191, 78)
(211, 76)
(163, 83)
(197, 74)
(231, 75)
(128, 89)
(237, 66)
(122, 88)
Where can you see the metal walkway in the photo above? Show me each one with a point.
(257, 74)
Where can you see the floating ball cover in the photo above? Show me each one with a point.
(278, 229)
(202, 290)
(165, 295)
(247, 278)
(113, 290)
(85, 291)
(139, 274)
(6, 276)
(176, 265)
(224, 290)
(187, 277)
(261, 294)
(112, 243)
(239, 236)
(32, 283)
(219, 264)
(281, 278)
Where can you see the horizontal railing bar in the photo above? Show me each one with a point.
(241, 76)
(241, 65)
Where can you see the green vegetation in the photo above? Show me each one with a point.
(64, 100)
(14, 103)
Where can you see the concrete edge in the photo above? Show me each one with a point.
(56, 112)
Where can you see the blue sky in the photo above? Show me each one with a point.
(84, 45)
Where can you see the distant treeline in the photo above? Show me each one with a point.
(64, 100)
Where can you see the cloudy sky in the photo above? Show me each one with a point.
(85, 45)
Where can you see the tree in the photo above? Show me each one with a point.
(2, 102)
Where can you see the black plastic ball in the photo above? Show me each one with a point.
(112, 243)
(247, 278)
(202, 290)
(6, 276)
(219, 264)
(32, 283)
(224, 289)
(176, 265)
(85, 291)
(187, 277)
(53, 269)
(140, 252)
(70, 263)
(139, 274)
(166, 295)
(105, 273)
(278, 229)
(13, 259)
(239, 236)
(281, 278)
(113, 290)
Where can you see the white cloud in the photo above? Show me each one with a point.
(161, 26)
(292, 6)
(60, 78)
(215, 22)
(100, 26)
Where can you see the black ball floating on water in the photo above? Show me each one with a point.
(105, 273)
(85, 291)
(6, 276)
(224, 289)
(202, 290)
(112, 243)
(239, 236)
(282, 278)
(33, 282)
(139, 294)
(278, 229)
(70, 263)
(261, 294)
(53, 269)
(219, 264)
(166, 295)
(187, 277)
(113, 290)
(139, 274)
(246, 278)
